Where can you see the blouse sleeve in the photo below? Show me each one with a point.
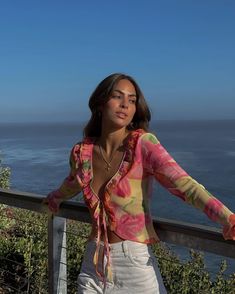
(71, 185)
(158, 162)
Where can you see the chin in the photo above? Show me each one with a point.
(114, 123)
(118, 125)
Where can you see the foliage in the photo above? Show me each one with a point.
(77, 233)
(23, 251)
(5, 173)
(191, 277)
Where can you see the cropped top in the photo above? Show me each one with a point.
(125, 204)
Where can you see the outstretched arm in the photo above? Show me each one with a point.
(170, 175)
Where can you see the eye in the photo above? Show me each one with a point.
(132, 101)
(116, 96)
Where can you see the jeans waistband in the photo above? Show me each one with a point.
(124, 246)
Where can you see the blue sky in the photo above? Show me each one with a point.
(54, 53)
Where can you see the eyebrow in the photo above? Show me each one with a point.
(119, 91)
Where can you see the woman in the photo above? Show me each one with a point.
(113, 167)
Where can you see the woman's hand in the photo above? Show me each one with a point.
(229, 230)
(51, 204)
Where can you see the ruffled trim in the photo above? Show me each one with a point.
(129, 146)
(86, 155)
(85, 172)
(229, 230)
(103, 211)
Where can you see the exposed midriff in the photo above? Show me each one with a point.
(112, 236)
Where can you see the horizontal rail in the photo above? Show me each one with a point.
(194, 236)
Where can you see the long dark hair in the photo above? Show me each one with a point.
(101, 95)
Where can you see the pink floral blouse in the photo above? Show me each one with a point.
(124, 206)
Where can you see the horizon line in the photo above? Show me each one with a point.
(85, 121)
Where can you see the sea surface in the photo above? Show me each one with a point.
(38, 154)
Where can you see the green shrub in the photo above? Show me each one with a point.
(5, 173)
(23, 251)
(77, 234)
(191, 276)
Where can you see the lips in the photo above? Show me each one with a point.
(121, 115)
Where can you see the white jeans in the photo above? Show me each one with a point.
(134, 269)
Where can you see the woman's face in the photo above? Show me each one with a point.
(119, 110)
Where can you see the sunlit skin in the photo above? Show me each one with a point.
(117, 114)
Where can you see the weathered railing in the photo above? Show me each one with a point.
(193, 236)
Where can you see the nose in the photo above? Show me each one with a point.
(124, 103)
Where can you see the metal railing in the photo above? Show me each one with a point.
(189, 235)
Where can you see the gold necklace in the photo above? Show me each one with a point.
(108, 163)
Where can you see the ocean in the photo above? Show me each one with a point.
(38, 154)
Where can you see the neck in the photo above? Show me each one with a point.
(111, 140)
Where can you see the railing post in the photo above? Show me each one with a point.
(57, 269)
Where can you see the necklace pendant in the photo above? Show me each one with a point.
(108, 163)
(108, 166)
